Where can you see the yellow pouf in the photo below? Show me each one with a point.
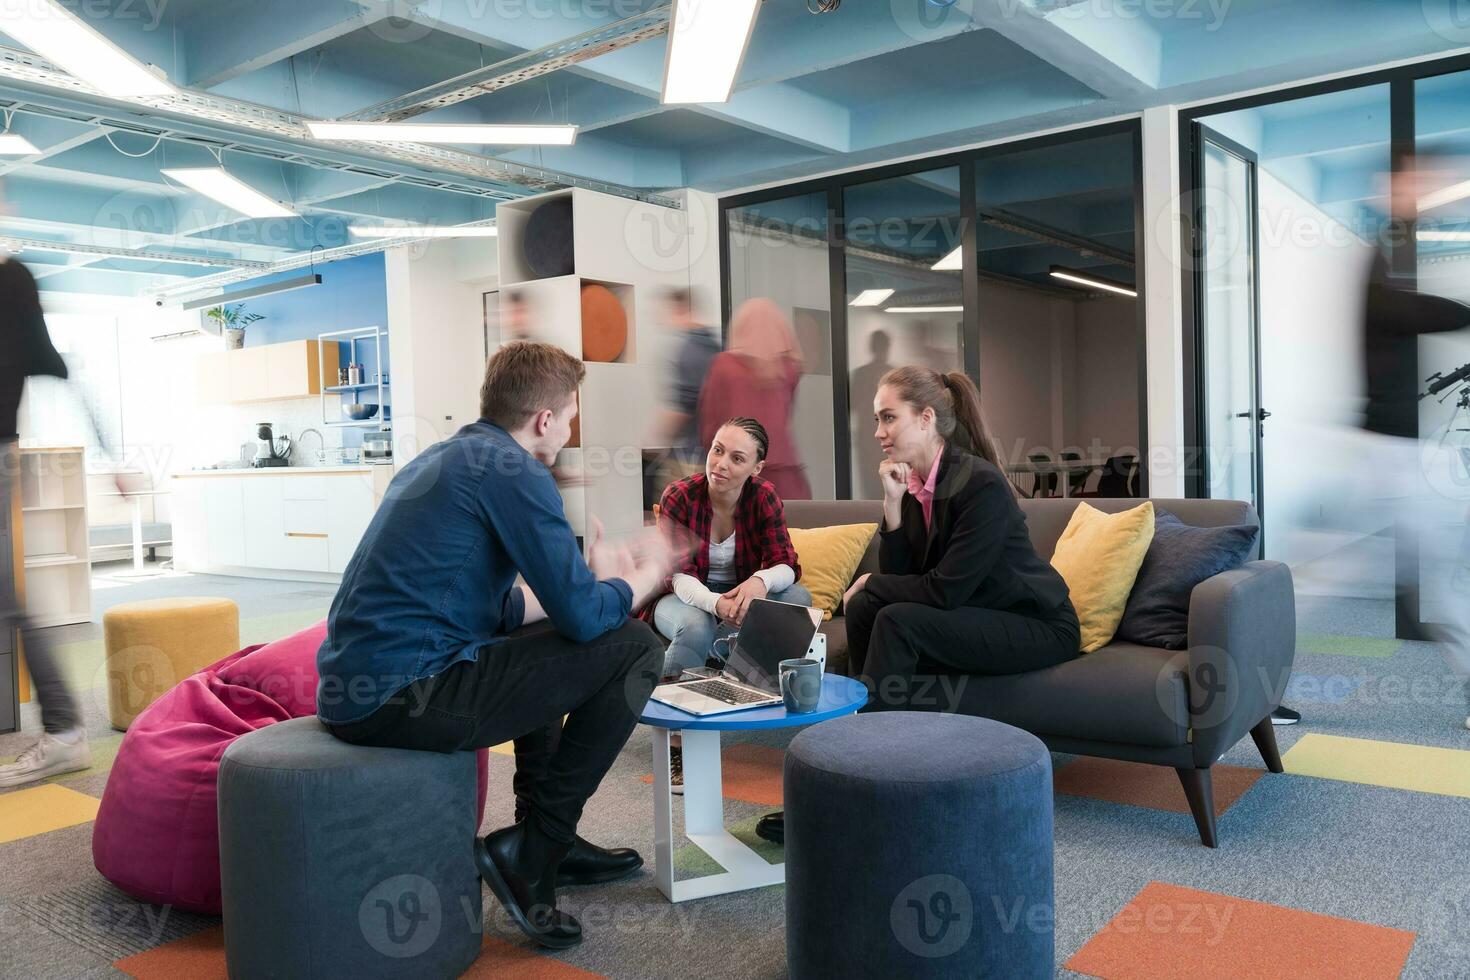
(154, 644)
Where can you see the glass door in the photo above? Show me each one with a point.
(1228, 314)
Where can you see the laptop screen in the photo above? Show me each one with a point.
(772, 632)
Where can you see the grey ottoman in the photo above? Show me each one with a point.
(918, 844)
(339, 860)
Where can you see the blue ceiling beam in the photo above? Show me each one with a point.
(986, 102)
(1298, 40)
(779, 110)
(1117, 56)
(227, 40)
(51, 136)
(800, 44)
(605, 159)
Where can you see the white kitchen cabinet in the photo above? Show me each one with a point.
(256, 522)
(224, 522)
(352, 510)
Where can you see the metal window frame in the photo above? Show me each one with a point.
(834, 186)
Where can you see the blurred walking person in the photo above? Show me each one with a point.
(26, 351)
(1392, 459)
(757, 378)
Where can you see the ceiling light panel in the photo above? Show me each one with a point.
(15, 145)
(707, 42)
(217, 183)
(58, 35)
(871, 297)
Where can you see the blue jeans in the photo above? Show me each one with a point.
(692, 632)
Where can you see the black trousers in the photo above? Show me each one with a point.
(898, 648)
(519, 689)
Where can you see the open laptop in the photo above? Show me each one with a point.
(772, 632)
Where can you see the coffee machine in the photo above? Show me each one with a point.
(270, 451)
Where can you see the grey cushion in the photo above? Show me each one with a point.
(1121, 693)
(918, 845)
(341, 860)
(1179, 558)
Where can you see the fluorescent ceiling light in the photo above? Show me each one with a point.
(1446, 195)
(871, 297)
(1442, 236)
(423, 231)
(230, 191)
(953, 262)
(1092, 282)
(495, 135)
(283, 286)
(925, 309)
(15, 145)
(707, 40)
(58, 35)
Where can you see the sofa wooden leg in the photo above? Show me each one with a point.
(1199, 787)
(1264, 735)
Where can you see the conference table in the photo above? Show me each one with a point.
(1063, 468)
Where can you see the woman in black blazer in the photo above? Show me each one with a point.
(960, 589)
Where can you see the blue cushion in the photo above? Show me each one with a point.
(1179, 558)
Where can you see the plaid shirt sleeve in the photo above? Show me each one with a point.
(676, 520)
(766, 525)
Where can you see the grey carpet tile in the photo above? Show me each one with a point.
(102, 919)
(30, 950)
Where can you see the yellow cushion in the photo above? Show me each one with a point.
(829, 556)
(1098, 555)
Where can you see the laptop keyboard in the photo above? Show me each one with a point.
(726, 692)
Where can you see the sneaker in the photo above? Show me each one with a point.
(676, 770)
(50, 756)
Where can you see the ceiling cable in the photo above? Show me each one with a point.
(146, 153)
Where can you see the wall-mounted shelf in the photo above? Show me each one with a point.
(358, 335)
(42, 510)
(371, 384)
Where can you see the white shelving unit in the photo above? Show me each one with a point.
(353, 337)
(614, 245)
(53, 496)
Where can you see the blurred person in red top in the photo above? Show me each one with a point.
(757, 378)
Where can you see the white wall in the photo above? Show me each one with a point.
(436, 338)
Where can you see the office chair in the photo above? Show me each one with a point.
(1043, 481)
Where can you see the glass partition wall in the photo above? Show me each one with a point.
(1014, 263)
(1356, 187)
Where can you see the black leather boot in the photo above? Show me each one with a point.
(519, 864)
(588, 864)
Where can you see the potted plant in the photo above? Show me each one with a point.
(231, 322)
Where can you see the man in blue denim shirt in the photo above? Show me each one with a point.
(428, 647)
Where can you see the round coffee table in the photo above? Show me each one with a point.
(704, 800)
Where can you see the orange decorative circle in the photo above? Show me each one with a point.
(604, 324)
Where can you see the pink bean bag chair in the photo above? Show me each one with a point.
(157, 833)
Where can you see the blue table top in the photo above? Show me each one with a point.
(840, 696)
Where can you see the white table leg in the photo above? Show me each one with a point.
(138, 534)
(704, 823)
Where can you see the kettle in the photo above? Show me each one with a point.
(270, 451)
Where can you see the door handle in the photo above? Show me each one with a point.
(1264, 415)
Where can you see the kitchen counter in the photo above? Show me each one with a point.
(287, 470)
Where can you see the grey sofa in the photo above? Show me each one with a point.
(1179, 708)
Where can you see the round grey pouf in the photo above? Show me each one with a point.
(340, 860)
(918, 844)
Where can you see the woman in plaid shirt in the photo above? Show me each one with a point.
(736, 547)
